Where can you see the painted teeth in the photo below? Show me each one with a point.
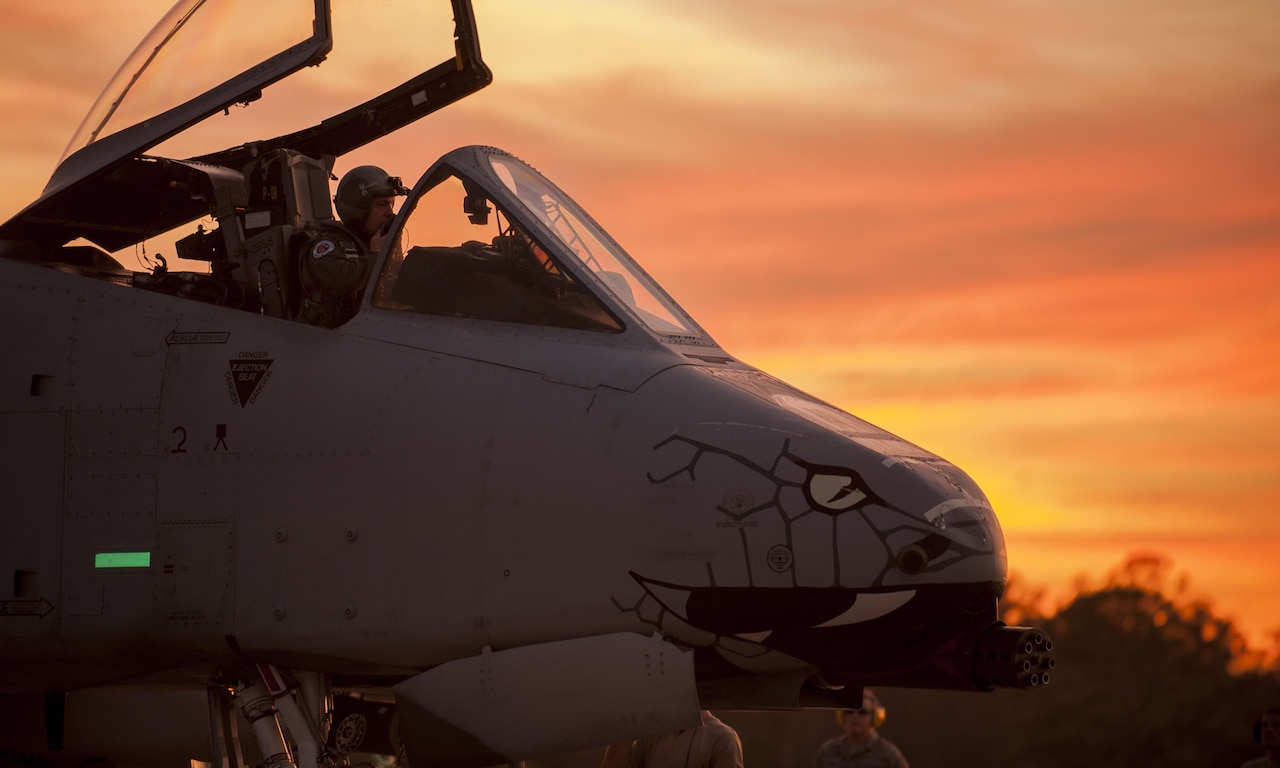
(870, 605)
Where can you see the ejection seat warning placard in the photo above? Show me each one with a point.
(248, 375)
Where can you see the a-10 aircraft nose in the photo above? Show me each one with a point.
(816, 497)
(836, 543)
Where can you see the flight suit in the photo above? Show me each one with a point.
(333, 268)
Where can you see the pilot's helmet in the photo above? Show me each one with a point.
(358, 188)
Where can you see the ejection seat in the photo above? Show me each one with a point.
(289, 200)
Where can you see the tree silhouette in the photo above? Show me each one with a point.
(1143, 678)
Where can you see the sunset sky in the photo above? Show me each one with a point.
(1041, 239)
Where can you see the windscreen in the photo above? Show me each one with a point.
(592, 247)
(461, 255)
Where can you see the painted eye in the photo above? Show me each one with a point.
(838, 492)
(834, 489)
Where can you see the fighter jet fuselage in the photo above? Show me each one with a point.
(517, 473)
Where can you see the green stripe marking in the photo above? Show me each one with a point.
(122, 560)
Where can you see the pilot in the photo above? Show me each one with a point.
(334, 264)
(861, 746)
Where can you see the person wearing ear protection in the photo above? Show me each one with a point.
(334, 263)
(1267, 731)
(860, 746)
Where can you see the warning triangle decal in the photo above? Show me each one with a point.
(248, 376)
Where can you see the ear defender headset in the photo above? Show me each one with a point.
(877, 712)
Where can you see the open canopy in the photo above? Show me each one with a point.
(212, 58)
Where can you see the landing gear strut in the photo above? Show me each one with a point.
(289, 719)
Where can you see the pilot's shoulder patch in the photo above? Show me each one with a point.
(323, 247)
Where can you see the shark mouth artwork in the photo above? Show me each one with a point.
(845, 566)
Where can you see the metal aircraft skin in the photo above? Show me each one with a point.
(520, 504)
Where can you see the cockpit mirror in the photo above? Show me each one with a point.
(476, 206)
